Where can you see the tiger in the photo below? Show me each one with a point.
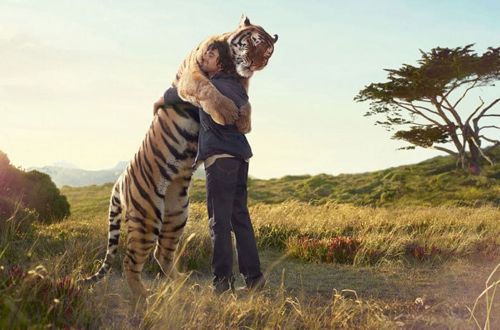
(152, 192)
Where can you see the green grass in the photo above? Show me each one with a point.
(434, 182)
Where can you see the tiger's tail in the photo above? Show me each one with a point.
(115, 210)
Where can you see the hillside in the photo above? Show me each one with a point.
(432, 182)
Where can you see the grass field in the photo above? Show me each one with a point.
(329, 266)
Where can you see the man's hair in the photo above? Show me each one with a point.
(225, 60)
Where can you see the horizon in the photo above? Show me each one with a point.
(79, 79)
(59, 164)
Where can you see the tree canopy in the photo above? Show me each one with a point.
(424, 101)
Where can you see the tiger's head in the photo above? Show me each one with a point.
(251, 47)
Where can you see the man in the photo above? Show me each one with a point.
(225, 152)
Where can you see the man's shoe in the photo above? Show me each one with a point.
(223, 285)
(257, 284)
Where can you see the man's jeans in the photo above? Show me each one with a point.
(227, 210)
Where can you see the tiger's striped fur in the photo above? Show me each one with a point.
(152, 193)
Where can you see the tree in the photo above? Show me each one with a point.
(424, 100)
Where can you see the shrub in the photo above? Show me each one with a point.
(423, 252)
(34, 190)
(11, 178)
(42, 195)
(7, 208)
(339, 249)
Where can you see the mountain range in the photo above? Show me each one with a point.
(66, 174)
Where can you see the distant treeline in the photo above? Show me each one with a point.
(29, 192)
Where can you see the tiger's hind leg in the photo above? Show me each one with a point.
(141, 237)
(175, 219)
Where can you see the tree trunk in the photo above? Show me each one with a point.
(462, 160)
(474, 166)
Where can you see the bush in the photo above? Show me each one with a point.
(42, 195)
(11, 178)
(33, 190)
(422, 252)
(339, 249)
(7, 208)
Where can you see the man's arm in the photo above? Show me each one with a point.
(170, 97)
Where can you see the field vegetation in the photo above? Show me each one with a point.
(329, 264)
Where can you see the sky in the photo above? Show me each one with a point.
(78, 79)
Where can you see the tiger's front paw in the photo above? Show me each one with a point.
(244, 122)
(228, 111)
(223, 111)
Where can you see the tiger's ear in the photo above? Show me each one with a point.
(244, 21)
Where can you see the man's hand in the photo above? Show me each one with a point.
(158, 104)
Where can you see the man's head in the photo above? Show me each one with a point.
(217, 58)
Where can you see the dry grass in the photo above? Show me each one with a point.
(384, 234)
(391, 290)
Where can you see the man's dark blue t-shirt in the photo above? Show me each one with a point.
(214, 138)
